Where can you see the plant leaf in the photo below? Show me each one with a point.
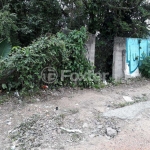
(5, 48)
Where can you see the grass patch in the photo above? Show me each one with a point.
(5, 97)
(74, 111)
(136, 100)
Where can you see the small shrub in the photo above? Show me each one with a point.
(145, 67)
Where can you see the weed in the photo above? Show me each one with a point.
(74, 111)
(59, 119)
(114, 82)
(136, 100)
(76, 137)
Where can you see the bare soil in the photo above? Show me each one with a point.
(71, 119)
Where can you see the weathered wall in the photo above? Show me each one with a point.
(119, 58)
(91, 48)
(127, 56)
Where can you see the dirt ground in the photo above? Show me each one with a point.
(71, 119)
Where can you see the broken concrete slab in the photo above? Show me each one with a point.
(128, 112)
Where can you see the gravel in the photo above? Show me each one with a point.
(56, 129)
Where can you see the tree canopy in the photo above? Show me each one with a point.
(22, 21)
(118, 17)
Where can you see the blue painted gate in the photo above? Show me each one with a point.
(136, 50)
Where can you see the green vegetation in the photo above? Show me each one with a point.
(34, 29)
(5, 48)
(22, 21)
(136, 100)
(60, 51)
(145, 67)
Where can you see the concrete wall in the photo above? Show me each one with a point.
(90, 44)
(128, 54)
(119, 52)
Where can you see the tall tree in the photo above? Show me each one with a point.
(110, 18)
(7, 24)
(118, 17)
(35, 18)
(73, 15)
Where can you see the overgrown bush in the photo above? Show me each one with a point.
(145, 67)
(62, 52)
